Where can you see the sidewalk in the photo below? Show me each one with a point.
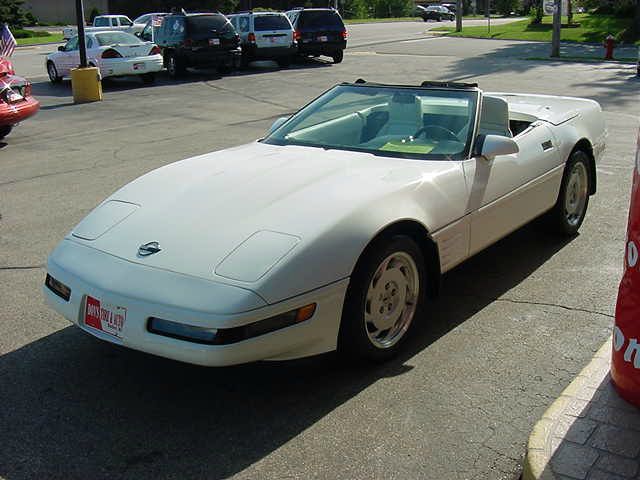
(588, 433)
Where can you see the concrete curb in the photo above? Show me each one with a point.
(539, 452)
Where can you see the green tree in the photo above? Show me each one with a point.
(11, 12)
(356, 9)
(392, 8)
(505, 7)
(536, 12)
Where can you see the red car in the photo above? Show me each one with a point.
(16, 102)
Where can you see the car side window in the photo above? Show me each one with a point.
(89, 42)
(71, 45)
(244, 24)
(146, 33)
(125, 22)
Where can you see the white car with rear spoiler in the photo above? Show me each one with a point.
(114, 53)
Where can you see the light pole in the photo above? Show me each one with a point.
(81, 40)
(557, 28)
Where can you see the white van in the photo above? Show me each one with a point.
(265, 35)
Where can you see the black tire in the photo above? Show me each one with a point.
(5, 130)
(225, 69)
(52, 71)
(424, 19)
(175, 65)
(148, 78)
(338, 56)
(439, 19)
(562, 218)
(284, 62)
(354, 339)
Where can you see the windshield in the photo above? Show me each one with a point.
(116, 38)
(271, 22)
(405, 122)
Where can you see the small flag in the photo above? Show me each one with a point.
(7, 42)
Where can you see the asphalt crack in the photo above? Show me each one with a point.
(247, 96)
(557, 305)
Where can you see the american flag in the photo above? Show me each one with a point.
(7, 42)
(156, 21)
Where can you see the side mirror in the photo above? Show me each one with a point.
(61, 48)
(277, 124)
(138, 34)
(490, 146)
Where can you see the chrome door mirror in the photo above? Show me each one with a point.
(490, 146)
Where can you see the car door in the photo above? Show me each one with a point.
(510, 190)
(64, 63)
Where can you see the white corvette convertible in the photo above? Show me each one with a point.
(328, 233)
(114, 53)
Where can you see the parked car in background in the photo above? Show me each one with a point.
(16, 102)
(436, 12)
(114, 53)
(450, 6)
(102, 23)
(319, 31)
(265, 35)
(198, 40)
(140, 22)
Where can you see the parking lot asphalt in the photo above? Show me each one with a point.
(511, 329)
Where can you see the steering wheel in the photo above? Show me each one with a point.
(437, 132)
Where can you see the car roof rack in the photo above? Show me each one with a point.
(426, 84)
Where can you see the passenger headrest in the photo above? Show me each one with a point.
(494, 117)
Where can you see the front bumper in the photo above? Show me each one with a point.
(118, 67)
(148, 292)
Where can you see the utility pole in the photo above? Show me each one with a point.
(81, 40)
(557, 28)
(459, 12)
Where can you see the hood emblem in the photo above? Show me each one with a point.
(148, 249)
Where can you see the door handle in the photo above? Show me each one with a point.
(548, 145)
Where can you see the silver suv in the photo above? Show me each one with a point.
(265, 35)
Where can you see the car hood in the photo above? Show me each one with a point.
(233, 215)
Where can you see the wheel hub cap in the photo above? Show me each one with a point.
(391, 300)
(576, 194)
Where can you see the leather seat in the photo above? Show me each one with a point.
(494, 117)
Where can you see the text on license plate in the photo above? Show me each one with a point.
(138, 66)
(105, 317)
(323, 38)
(214, 41)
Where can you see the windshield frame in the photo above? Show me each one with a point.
(465, 154)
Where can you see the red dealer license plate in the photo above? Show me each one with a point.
(105, 317)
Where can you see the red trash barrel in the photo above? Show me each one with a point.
(625, 366)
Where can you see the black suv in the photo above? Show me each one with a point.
(197, 40)
(319, 31)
